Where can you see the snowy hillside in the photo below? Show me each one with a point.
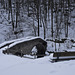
(28, 25)
(52, 20)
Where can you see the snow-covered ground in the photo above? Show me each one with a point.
(14, 65)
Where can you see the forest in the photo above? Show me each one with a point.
(46, 18)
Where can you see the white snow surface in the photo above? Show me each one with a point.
(14, 65)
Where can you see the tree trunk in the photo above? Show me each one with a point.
(52, 18)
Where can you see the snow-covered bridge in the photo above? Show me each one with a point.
(25, 46)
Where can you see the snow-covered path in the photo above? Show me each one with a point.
(13, 65)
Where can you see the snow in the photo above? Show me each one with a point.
(74, 44)
(16, 41)
(14, 65)
(28, 65)
(34, 50)
(25, 39)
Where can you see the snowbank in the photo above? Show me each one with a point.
(12, 65)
